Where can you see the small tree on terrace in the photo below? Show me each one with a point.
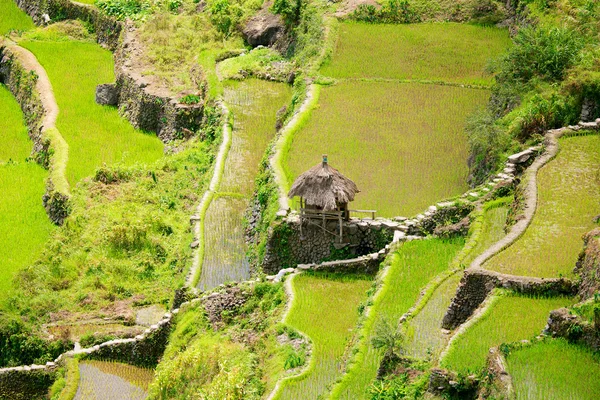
(389, 339)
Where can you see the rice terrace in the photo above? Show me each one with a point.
(300, 199)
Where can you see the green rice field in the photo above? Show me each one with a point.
(402, 143)
(413, 265)
(254, 106)
(554, 369)
(424, 334)
(22, 184)
(568, 192)
(446, 52)
(13, 18)
(96, 134)
(112, 380)
(325, 308)
(510, 318)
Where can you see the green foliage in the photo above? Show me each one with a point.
(190, 99)
(290, 10)
(19, 347)
(123, 9)
(391, 12)
(487, 141)
(388, 338)
(540, 52)
(293, 358)
(225, 15)
(399, 387)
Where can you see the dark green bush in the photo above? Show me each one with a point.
(391, 12)
(540, 52)
(486, 143)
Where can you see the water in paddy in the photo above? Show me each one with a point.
(101, 380)
(254, 106)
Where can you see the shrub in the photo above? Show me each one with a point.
(293, 358)
(541, 52)
(290, 10)
(225, 16)
(486, 142)
(391, 12)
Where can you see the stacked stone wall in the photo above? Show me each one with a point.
(562, 323)
(478, 283)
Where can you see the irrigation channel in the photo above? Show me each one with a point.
(254, 104)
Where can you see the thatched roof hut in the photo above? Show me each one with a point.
(324, 188)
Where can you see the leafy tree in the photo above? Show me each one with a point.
(388, 339)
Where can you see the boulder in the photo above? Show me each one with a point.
(263, 29)
(107, 94)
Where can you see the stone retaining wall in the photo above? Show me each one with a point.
(562, 323)
(27, 383)
(478, 283)
(588, 265)
(146, 102)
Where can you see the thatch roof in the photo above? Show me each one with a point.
(324, 186)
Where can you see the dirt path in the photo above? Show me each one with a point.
(43, 85)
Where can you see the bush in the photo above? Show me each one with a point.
(391, 12)
(290, 10)
(540, 52)
(225, 16)
(486, 142)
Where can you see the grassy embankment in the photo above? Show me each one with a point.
(25, 224)
(568, 191)
(413, 265)
(225, 354)
(325, 308)
(509, 318)
(391, 147)
(554, 369)
(96, 135)
(254, 105)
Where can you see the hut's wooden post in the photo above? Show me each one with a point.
(341, 227)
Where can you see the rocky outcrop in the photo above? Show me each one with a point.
(562, 323)
(147, 102)
(588, 265)
(478, 283)
(590, 109)
(107, 94)
(264, 29)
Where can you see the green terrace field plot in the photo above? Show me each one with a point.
(325, 308)
(254, 106)
(96, 135)
(568, 192)
(447, 52)
(413, 265)
(111, 380)
(424, 335)
(402, 143)
(510, 318)
(554, 369)
(25, 226)
(13, 18)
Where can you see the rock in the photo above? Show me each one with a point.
(589, 110)
(263, 29)
(521, 157)
(194, 244)
(107, 94)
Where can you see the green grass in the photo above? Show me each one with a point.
(492, 230)
(13, 18)
(446, 52)
(325, 308)
(403, 144)
(25, 226)
(413, 265)
(510, 318)
(568, 192)
(554, 369)
(96, 135)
